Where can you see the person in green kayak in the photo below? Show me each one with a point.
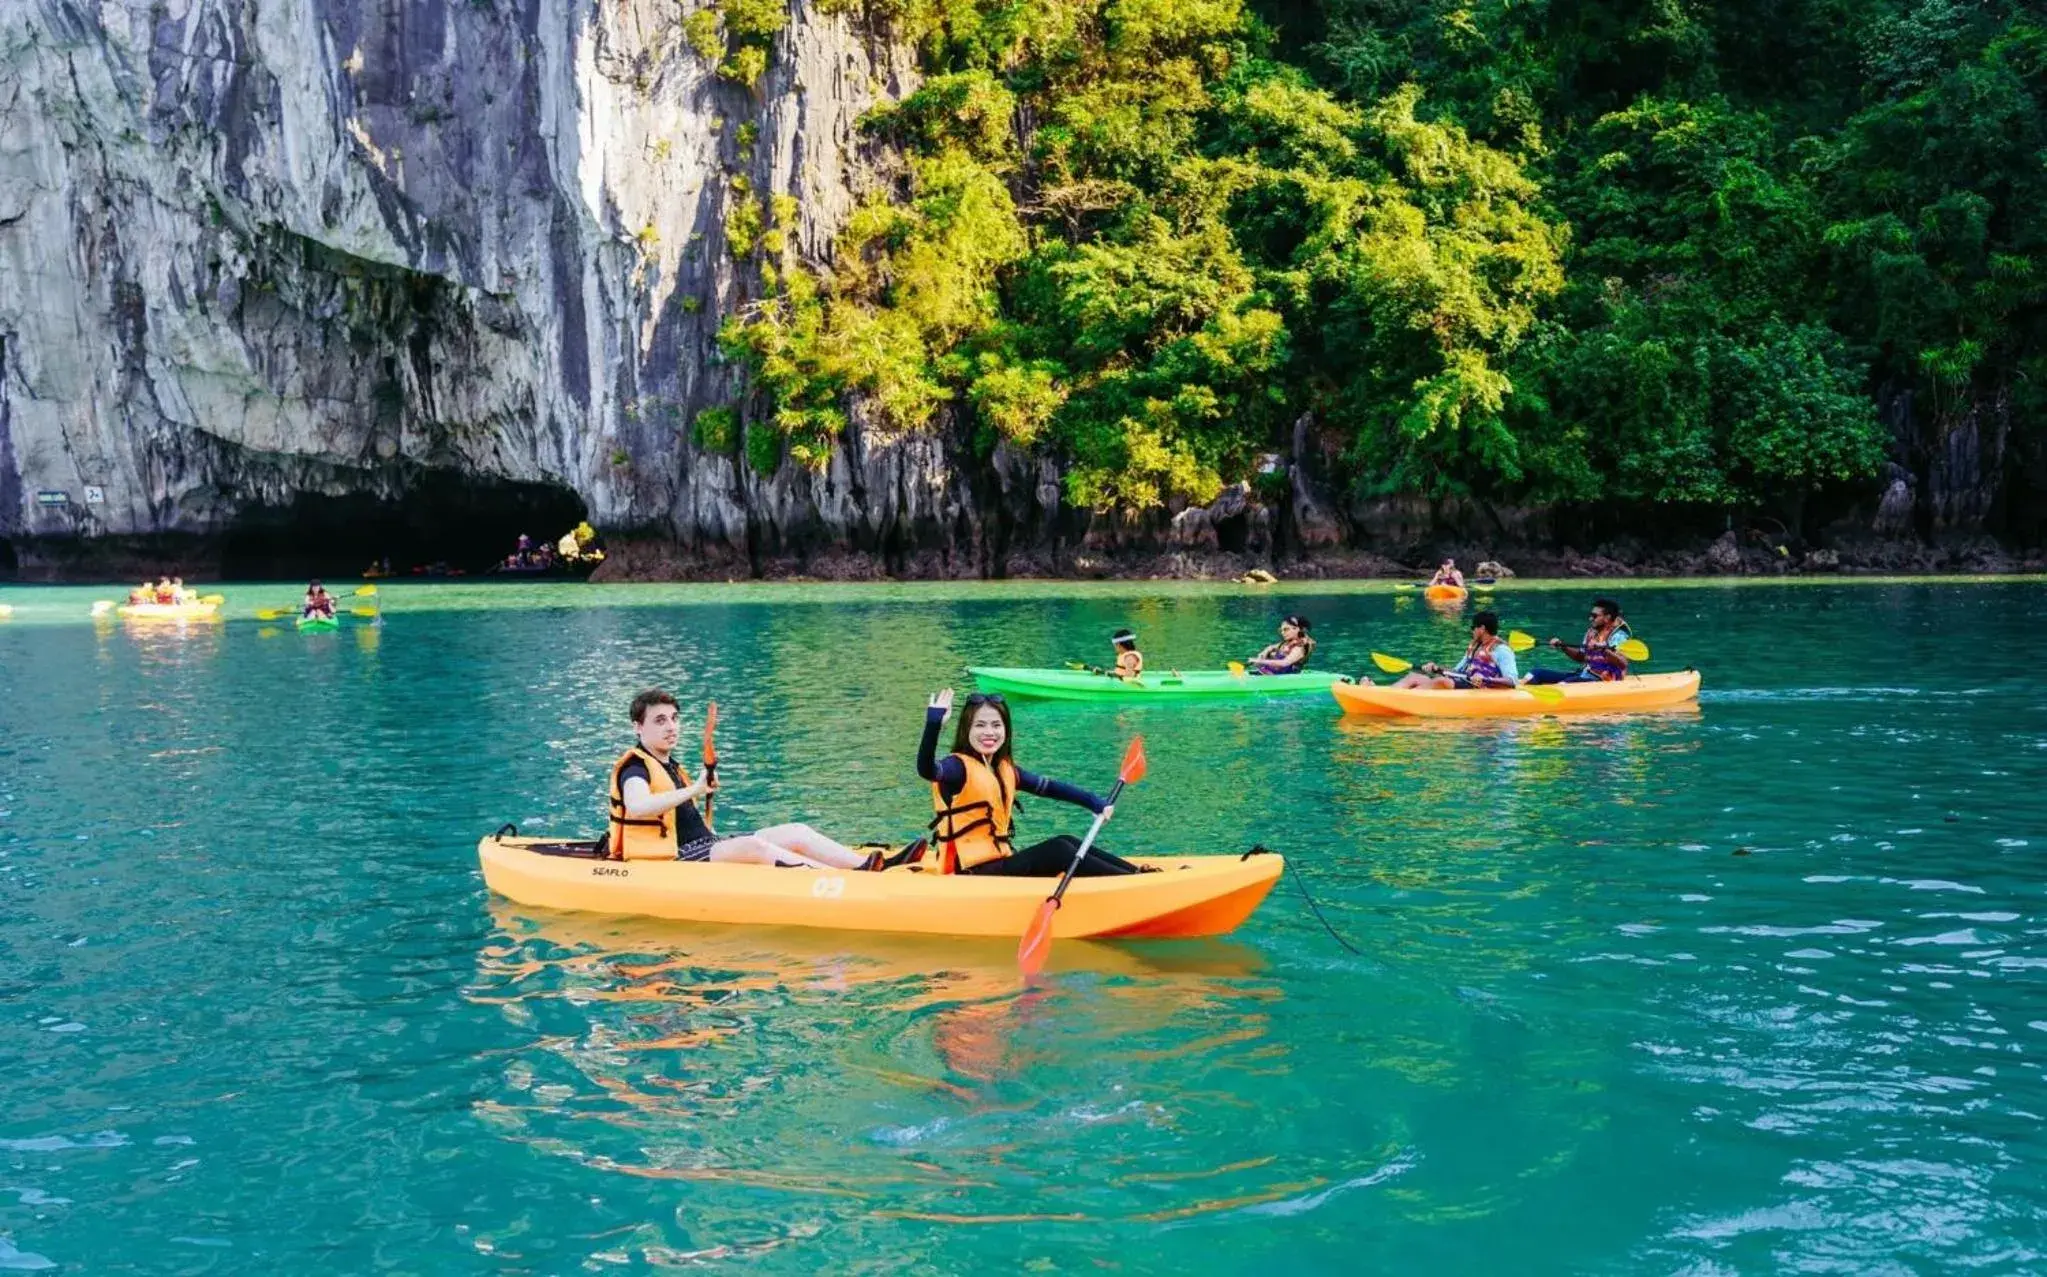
(1598, 654)
(1129, 661)
(1289, 655)
(974, 791)
(319, 604)
(1488, 662)
(654, 812)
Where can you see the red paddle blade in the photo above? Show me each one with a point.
(710, 729)
(1037, 941)
(1133, 762)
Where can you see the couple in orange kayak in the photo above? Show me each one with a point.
(1489, 659)
(654, 813)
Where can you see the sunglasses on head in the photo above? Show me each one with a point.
(985, 698)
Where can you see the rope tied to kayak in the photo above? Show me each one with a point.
(1262, 850)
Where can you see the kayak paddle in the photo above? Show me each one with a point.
(101, 607)
(1634, 649)
(1540, 691)
(1236, 669)
(1037, 938)
(710, 757)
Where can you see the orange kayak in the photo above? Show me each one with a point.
(1645, 691)
(1446, 593)
(1190, 896)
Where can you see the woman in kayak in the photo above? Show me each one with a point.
(974, 791)
(1448, 575)
(319, 603)
(1487, 662)
(1598, 655)
(654, 812)
(1289, 655)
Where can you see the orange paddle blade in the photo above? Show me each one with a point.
(710, 730)
(1132, 770)
(1036, 945)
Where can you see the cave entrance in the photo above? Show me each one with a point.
(460, 522)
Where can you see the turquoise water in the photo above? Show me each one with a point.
(1751, 988)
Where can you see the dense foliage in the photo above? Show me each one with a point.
(1569, 251)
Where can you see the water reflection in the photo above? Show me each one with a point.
(932, 1067)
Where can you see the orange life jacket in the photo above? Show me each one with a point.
(974, 828)
(642, 837)
(1129, 664)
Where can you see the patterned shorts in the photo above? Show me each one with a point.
(697, 850)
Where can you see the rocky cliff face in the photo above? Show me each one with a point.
(252, 252)
(333, 269)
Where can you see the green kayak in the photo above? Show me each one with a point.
(1083, 685)
(316, 624)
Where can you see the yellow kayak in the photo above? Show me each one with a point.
(169, 611)
(1190, 896)
(1644, 691)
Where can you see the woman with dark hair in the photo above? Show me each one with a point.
(974, 789)
(1289, 655)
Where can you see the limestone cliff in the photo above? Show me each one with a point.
(259, 252)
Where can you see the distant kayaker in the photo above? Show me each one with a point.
(1129, 661)
(1487, 662)
(654, 813)
(974, 791)
(1448, 575)
(1289, 655)
(319, 603)
(164, 594)
(1598, 654)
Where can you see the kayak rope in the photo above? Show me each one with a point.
(1262, 850)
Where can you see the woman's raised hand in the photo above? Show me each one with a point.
(941, 700)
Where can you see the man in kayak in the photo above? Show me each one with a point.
(654, 812)
(1487, 662)
(1598, 655)
(319, 603)
(1448, 575)
(1289, 655)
